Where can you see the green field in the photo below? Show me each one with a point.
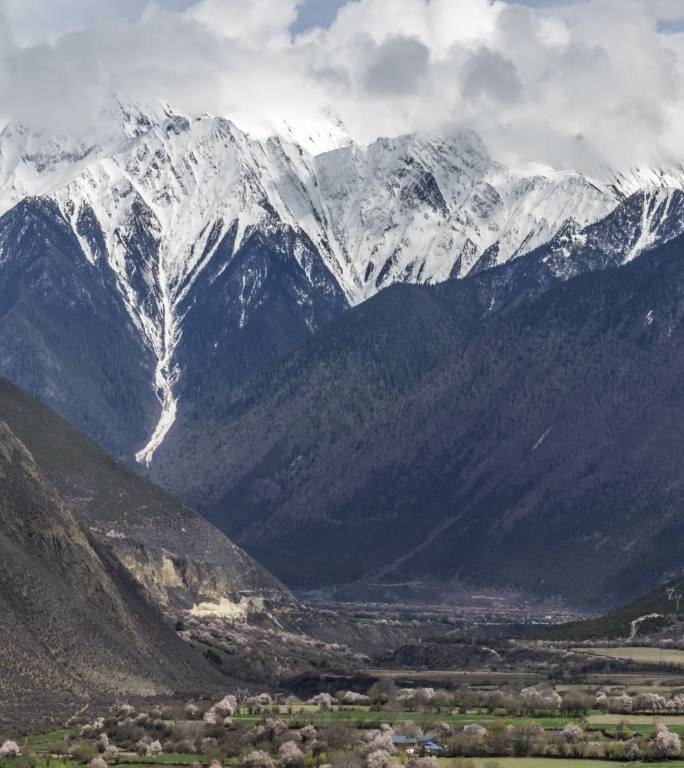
(475, 677)
(637, 719)
(386, 716)
(639, 654)
(171, 759)
(630, 680)
(133, 761)
(53, 743)
(48, 742)
(641, 724)
(663, 689)
(547, 762)
(501, 762)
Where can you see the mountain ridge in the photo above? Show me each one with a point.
(184, 217)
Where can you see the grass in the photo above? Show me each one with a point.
(639, 654)
(48, 742)
(483, 677)
(647, 730)
(53, 742)
(129, 761)
(308, 709)
(637, 719)
(41, 762)
(205, 647)
(501, 762)
(356, 715)
(170, 759)
(547, 762)
(672, 679)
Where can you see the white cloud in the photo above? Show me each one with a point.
(259, 23)
(533, 80)
(46, 20)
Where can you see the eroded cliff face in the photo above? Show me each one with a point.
(180, 584)
(179, 559)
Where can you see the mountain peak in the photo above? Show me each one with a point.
(169, 202)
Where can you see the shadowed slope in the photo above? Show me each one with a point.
(75, 625)
(539, 448)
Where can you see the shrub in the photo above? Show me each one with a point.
(83, 751)
(667, 743)
(10, 749)
(323, 700)
(290, 755)
(256, 759)
(307, 733)
(155, 748)
(213, 657)
(227, 706)
(378, 759)
(572, 732)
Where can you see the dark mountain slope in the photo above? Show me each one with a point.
(539, 451)
(659, 609)
(65, 334)
(646, 218)
(255, 305)
(321, 395)
(66, 328)
(172, 551)
(74, 624)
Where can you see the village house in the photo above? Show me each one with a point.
(421, 745)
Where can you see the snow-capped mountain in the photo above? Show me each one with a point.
(225, 250)
(417, 209)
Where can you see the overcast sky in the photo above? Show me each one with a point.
(542, 79)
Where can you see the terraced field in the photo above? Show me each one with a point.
(643, 655)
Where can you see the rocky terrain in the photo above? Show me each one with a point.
(179, 558)
(76, 626)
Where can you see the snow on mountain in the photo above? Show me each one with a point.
(647, 218)
(419, 209)
(158, 196)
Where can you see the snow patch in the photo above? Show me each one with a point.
(541, 440)
(634, 625)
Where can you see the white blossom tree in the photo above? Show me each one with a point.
(227, 707)
(572, 733)
(667, 743)
(155, 748)
(324, 701)
(256, 759)
(290, 755)
(10, 749)
(378, 759)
